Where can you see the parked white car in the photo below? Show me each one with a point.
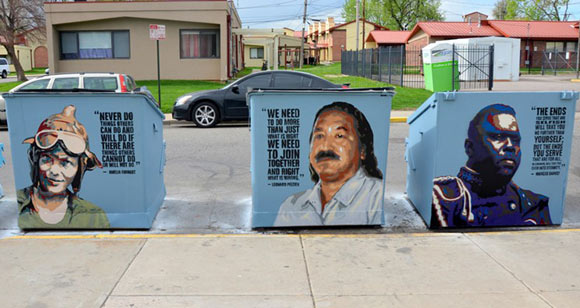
(92, 81)
(4, 68)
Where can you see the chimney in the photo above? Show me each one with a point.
(330, 22)
(469, 20)
(479, 20)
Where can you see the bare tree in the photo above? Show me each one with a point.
(20, 17)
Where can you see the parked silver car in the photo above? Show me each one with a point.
(93, 81)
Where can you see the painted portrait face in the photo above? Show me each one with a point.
(500, 143)
(334, 150)
(57, 170)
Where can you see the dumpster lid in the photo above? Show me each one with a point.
(67, 92)
(316, 90)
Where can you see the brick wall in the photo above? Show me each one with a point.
(338, 39)
(418, 43)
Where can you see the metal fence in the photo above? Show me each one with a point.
(547, 62)
(554, 62)
(402, 66)
(392, 64)
(474, 66)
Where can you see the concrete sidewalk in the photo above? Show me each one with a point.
(534, 268)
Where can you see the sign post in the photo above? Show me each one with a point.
(157, 33)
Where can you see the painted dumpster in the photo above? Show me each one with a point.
(2, 162)
(490, 159)
(439, 67)
(86, 160)
(319, 156)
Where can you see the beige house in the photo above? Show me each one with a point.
(276, 46)
(114, 37)
(24, 55)
(328, 40)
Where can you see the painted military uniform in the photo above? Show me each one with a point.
(461, 202)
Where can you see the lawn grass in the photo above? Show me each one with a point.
(405, 99)
(34, 71)
(6, 86)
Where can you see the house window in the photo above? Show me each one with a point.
(555, 46)
(199, 43)
(94, 45)
(257, 53)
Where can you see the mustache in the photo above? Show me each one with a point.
(326, 154)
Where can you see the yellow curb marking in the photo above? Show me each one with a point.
(398, 119)
(310, 235)
(575, 80)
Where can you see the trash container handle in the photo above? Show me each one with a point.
(163, 160)
(409, 156)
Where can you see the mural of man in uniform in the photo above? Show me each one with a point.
(483, 193)
(59, 155)
(348, 185)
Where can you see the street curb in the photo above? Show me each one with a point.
(398, 119)
(575, 80)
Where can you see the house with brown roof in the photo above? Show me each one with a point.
(539, 36)
(535, 36)
(427, 32)
(327, 40)
(379, 38)
(107, 36)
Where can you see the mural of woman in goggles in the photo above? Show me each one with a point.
(59, 155)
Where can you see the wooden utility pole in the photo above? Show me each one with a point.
(357, 33)
(303, 25)
(363, 22)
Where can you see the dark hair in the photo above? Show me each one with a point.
(473, 132)
(364, 134)
(34, 153)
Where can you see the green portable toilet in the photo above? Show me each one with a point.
(438, 65)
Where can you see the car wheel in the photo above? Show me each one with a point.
(205, 115)
(4, 74)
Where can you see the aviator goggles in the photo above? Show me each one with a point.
(74, 143)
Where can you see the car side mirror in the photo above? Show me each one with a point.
(236, 89)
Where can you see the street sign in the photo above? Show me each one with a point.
(157, 32)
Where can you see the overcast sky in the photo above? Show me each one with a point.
(288, 13)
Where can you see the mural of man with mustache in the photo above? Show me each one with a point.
(348, 186)
(483, 193)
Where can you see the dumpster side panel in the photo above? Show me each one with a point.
(420, 156)
(154, 172)
(284, 191)
(46, 130)
(502, 159)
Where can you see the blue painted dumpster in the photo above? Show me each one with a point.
(2, 162)
(319, 156)
(86, 160)
(490, 159)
